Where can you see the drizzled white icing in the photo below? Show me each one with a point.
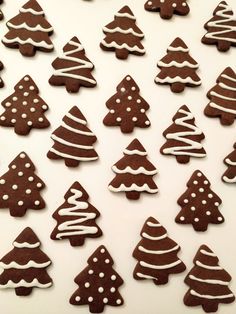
(66, 126)
(122, 31)
(30, 28)
(230, 162)
(135, 152)
(153, 224)
(157, 252)
(207, 253)
(147, 236)
(140, 170)
(222, 85)
(178, 79)
(32, 11)
(81, 64)
(57, 152)
(178, 49)
(166, 266)
(133, 187)
(20, 41)
(228, 78)
(64, 142)
(200, 264)
(75, 227)
(129, 16)
(210, 281)
(212, 93)
(141, 275)
(69, 115)
(25, 266)
(228, 180)
(113, 44)
(178, 64)
(23, 283)
(211, 297)
(26, 245)
(214, 105)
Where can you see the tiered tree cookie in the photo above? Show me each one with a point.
(73, 69)
(73, 140)
(134, 173)
(1, 14)
(183, 137)
(178, 68)
(199, 204)
(156, 254)
(208, 282)
(24, 109)
(24, 267)
(123, 35)
(29, 30)
(98, 283)
(20, 187)
(221, 28)
(76, 217)
(1, 68)
(230, 174)
(223, 98)
(127, 108)
(168, 7)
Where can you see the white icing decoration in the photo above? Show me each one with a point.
(157, 252)
(75, 227)
(82, 64)
(30, 10)
(178, 79)
(211, 297)
(180, 137)
(166, 266)
(81, 121)
(208, 266)
(207, 253)
(64, 142)
(23, 283)
(140, 170)
(122, 31)
(213, 105)
(25, 266)
(26, 245)
(177, 64)
(147, 236)
(152, 224)
(212, 93)
(228, 180)
(133, 187)
(141, 275)
(210, 281)
(119, 14)
(135, 152)
(20, 41)
(53, 150)
(30, 28)
(222, 85)
(179, 49)
(66, 126)
(113, 44)
(228, 78)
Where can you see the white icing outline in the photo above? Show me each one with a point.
(30, 264)
(210, 281)
(135, 152)
(113, 44)
(32, 11)
(30, 28)
(198, 263)
(129, 16)
(178, 79)
(211, 297)
(23, 283)
(214, 105)
(133, 187)
(178, 64)
(53, 150)
(157, 252)
(166, 266)
(122, 31)
(42, 43)
(179, 49)
(140, 170)
(26, 245)
(147, 236)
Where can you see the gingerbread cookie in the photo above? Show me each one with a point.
(123, 35)
(178, 68)
(223, 98)
(208, 282)
(199, 204)
(73, 69)
(29, 30)
(156, 254)
(230, 174)
(24, 267)
(98, 283)
(183, 137)
(168, 7)
(20, 187)
(73, 140)
(221, 29)
(1, 68)
(127, 108)
(76, 217)
(24, 109)
(134, 173)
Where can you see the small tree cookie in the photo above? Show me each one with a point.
(134, 173)
(98, 283)
(230, 174)
(127, 108)
(178, 68)
(208, 282)
(24, 267)
(20, 187)
(24, 109)
(199, 204)
(156, 254)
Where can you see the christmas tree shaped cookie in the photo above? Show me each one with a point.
(178, 68)
(156, 254)
(76, 217)
(24, 109)
(221, 28)
(73, 69)
(223, 98)
(183, 137)
(73, 140)
(29, 30)
(24, 267)
(98, 283)
(1, 81)
(199, 204)
(123, 35)
(167, 7)
(127, 108)
(20, 187)
(134, 173)
(230, 174)
(208, 282)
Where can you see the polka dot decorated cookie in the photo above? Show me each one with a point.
(167, 7)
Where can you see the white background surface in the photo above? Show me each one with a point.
(121, 220)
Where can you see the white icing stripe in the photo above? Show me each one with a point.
(179, 49)
(113, 44)
(224, 24)
(30, 264)
(41, 44)
(141, 275)
(26, 245)
(135, 152)
(230, 162)
(152, 224)
(64, 142)
(32, 11)
(76, 130)
(211, 297)
(57, 152)
(222, 85)
(208, 266)
(181, 137)
(207, 253)
(133, 187)
(81, 64)
(157, 252)
(30, 28)
(228, 180)
(75, 227)
(221, 96)
(228, 78)
(210, 281)
(72, 117)
(178, 79)
(147, 236)
(213, 105)
(166, 266)
(23, 283)
(177, 64)
(122, 31)
(140, 170)
(119, 14)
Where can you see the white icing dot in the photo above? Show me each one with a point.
(5, 197)
(14, 98)
(204, 202)
(26, 78)
(20, 173)
(219, 218)
(113, 289)
(2, 181)
(102, 251)
(40, 119)
(208, 213)
(199, 174)
(39, 185)
(205, 182)
(87, 284)
(21, 87)
(193, 195)
(134, 119)
(3, 118)
(101, 275)
(196, 219)
(13, 166)
(77, 298)
(27, 165)
(184, 4)
(130, 97)
(133, 88)
(186, 201)
(100, 289)
(128, 78)
(90, 299)
(24, 115)
(44, 107)
(29, 123)
(193, 208)
(37, 203)
(31, 179)
(147, 122)
(8, 104)
(31, 87)
(13, 120)
(15, 187)
(90, 272)
(24, 103)
(95, 259)
(122, 89)
(113, 277)
(112, 111)
(105, 300)
(149, 2)
(128, 109)
(14, 110)
(22, 155)
(174, 5)
(118, 119)
(182, 218)
(217, 204)
(195, 182)
(26, 94)
(142, 110)
(28, 191)
(117, 100)
(20, 203)
(118, 301)
(35, 100)
(107, 261)
(138, 101)
(201, 190)
(210, 195)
